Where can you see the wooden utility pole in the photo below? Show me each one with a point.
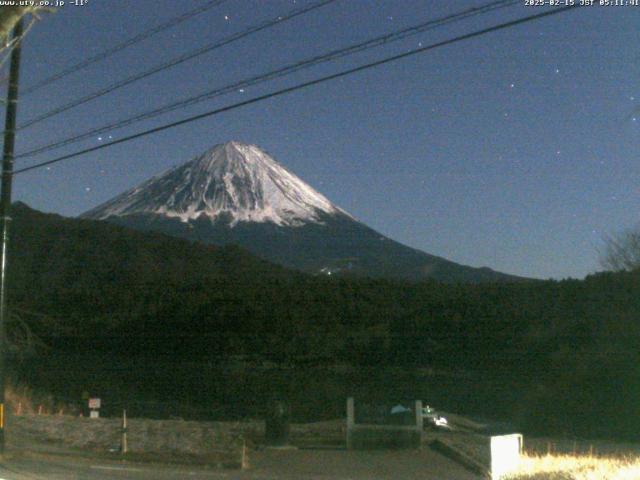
(5, 207)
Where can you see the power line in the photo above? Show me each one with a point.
(278, 73)
(126, 44)
(301, 86)
(176, 61)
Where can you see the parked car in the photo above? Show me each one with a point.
(432, 417)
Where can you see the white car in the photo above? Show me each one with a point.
(430, 415)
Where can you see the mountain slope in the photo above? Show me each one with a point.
(237, 182)
(237, 194)
(50, 252)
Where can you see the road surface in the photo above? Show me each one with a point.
(263, 465)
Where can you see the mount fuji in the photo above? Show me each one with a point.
(236, 193)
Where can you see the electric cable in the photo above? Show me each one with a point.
(176, 61)
(121, 46)
(301, 86)
(278, 73)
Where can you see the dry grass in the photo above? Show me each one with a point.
(21, 400)
(577, 467)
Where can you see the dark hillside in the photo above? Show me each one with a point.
(565, 353)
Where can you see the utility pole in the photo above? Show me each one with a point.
(5, 207)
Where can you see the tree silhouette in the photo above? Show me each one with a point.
(622, 251)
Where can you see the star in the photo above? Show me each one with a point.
(226, 17)
(87, 189)
(512, 85)
(557, 70)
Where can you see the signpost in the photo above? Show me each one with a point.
(505, 455)
(94, 408)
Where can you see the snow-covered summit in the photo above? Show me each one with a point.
(235, 180)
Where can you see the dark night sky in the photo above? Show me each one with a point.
(517, 150)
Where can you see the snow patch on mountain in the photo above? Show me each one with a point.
(234, 181)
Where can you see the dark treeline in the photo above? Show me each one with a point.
(571, 348)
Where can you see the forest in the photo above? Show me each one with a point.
(568, 349)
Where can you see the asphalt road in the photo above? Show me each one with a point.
(264, 465)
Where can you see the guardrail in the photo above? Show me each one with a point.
(383, 431)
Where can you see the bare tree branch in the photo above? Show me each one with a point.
(9, 16)
(622, 251)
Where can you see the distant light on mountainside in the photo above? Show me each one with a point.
(236, 193)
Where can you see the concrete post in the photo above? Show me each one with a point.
(419, 421)
(351, 420)
(125, 445)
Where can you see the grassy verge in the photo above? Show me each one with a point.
(577, 467)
